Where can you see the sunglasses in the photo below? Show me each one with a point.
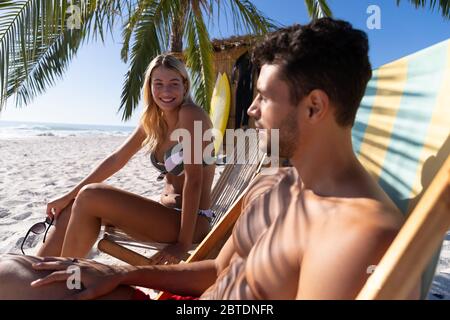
(38, 228)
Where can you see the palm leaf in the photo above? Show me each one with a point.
(27, 29)
(150, 35)
(247, 18)
(135, 14)
(318, 9)
(199, 57)
(36, 46)
(443, 5)
(105, 14)
(51, 65)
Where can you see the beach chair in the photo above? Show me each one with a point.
(402, 136)
(412, 250)
(226, 196)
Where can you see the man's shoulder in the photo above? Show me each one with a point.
(269, 178)
(378, 212)
(367, 219)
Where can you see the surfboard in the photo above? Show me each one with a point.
(220, 107)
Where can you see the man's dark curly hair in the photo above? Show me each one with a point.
(326, 54)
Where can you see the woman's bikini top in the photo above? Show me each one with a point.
(173, 162)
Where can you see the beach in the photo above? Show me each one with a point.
(36, 170)
(41, 161)
(38, 167)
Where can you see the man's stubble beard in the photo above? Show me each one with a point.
(288, 137)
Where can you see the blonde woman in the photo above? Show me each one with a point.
(182, 216)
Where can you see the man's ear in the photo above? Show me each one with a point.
(317, 105)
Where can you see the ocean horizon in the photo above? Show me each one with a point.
(25, 129)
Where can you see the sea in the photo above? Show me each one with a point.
(18, 130)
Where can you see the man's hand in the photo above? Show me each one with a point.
(98, 279)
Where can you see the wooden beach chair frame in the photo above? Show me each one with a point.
(412, 250)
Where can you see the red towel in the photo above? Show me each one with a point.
(140, 295)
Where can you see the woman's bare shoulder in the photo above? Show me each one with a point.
(191, 111)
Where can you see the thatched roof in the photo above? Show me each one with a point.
(233, 42)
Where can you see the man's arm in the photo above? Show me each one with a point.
(190, 279)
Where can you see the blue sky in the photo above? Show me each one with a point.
(90, 91)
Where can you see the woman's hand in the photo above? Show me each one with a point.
(96, 279)
(54, 207)
(171, 254)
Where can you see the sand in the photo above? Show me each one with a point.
(36, 170)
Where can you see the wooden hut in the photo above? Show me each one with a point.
(226, 52)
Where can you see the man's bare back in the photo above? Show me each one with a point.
(284, 229)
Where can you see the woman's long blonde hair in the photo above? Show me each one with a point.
(152, 119)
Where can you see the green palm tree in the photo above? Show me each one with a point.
(36, 46)
(179, 26)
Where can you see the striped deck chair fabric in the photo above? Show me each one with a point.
(402, 129)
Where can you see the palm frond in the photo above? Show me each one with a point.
(27, 28)
(318, 9)
(50, 66)
(36, 46)
(199, 57)
(248, 19)
(105, 15)
(135, 14)
(443, 5)
(150, 37)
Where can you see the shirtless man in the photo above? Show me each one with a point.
(313, 231)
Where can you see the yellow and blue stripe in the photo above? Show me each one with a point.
(404, 119)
